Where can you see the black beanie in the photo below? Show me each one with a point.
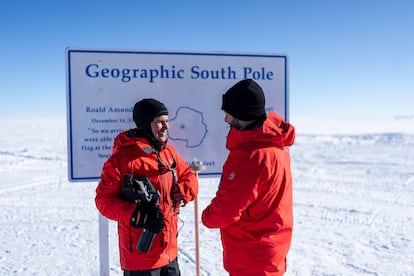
(146, 110)
(245, 101)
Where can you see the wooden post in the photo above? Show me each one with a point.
(197, 234)
(196, 166)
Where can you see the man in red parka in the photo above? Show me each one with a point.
(138, 153)
(253, 204)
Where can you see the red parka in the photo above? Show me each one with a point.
(136, 156)
(253, 205)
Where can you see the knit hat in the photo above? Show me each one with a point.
(245, 101)
(146, 110)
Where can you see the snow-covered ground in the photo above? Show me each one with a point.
(353, 203)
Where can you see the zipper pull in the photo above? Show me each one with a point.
(175, 178)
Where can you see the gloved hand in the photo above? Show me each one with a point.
(177, 197)
(148, 217)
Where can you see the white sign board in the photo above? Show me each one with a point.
(103, 86)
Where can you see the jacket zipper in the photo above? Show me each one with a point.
(130, 240)
(164, 199)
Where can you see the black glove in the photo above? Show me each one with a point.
(148, 217)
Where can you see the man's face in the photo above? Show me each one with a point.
(159, 128)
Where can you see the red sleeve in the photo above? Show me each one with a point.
(237, 190)
(108, 197)
(187, 179)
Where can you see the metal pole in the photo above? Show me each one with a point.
(103, 246)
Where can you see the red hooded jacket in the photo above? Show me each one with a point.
(137, 157)
(253, 205)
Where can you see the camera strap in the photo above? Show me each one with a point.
(162, 167)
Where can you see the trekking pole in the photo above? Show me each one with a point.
(196, 166)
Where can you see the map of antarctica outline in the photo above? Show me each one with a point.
(189, 126)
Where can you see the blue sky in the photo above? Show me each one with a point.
(351, 58)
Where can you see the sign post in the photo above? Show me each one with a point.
(103, 246)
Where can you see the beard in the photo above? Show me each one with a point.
(236, 124)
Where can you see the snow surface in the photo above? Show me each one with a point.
(353, 203)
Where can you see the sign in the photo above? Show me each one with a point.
(103, 86)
